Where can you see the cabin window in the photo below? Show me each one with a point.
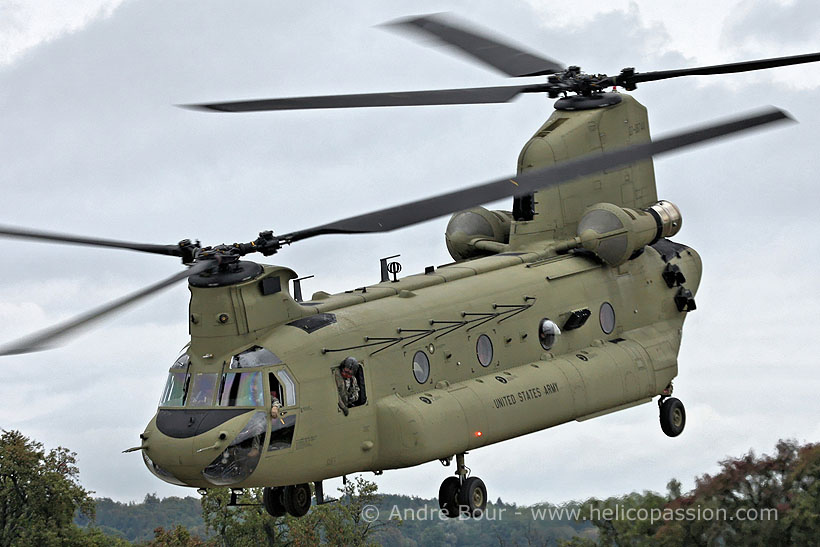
(484, 350)
(281, 432)
(548, 333)
(421, 367)
(606, 315)
(254, 357)
(349, 380)
(203, 389)
(241, 389)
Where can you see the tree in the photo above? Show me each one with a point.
(245, 525)
(765, 500)
(179, 536)
(342, 522)
(774, 499)
(39, 494)
(335, 523)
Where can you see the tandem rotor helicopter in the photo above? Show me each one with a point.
(568, 307)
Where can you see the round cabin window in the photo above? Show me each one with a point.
(421, 367)
(607, 317)
(484, 350)
(548, 332)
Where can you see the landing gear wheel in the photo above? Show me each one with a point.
(272, 500)
(448, 497)
(673, 417)
(296, 499)
(472, 497)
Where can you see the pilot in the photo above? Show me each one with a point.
(347, 384)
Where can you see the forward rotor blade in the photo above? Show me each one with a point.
(8, 231)
(474, 95)
(50, 337)
(503, 57)
(426, 209)
(729, 68)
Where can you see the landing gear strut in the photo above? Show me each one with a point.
(462, 494)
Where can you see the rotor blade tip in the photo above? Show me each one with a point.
(777, 114)
(199, 107)
(787, 116)
(21, 349)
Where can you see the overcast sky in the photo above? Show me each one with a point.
(91, 144)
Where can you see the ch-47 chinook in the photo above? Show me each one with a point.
(566, 308)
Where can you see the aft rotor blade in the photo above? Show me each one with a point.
(729, 68)
(52, 336)
(526, 183)
(474, 95)
(473, 43)
(8, 231)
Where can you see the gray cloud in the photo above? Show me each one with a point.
(795, 23)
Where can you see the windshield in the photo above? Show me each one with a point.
(241, 389)
(176, 389)
(203, 389)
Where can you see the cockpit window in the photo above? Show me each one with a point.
(254, 357)
(290, 387)
(181, 362)
(176, 389)
(241, 389)
(203, 389)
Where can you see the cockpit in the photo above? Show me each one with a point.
(255, 384)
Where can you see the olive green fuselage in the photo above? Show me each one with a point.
(460, 404)
(463, 405)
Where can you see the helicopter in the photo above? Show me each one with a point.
(456, 358)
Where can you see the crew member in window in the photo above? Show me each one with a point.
(275, 405)
(347, 384)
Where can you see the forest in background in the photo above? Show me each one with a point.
(768, 499)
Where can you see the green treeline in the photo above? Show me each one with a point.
(137, 521)
(753, 500)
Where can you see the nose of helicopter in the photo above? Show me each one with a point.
(201, 448)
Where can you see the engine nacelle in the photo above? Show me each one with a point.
(466, 228)
(615, 233)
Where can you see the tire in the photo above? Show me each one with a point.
(673, 417)
(472, 497)
(272, 501)
(296, 499)
(448, 497)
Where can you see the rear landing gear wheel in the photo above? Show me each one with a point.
(296, 499)
(673, 417)
(272, 500)
(448, 497)
(472, 497)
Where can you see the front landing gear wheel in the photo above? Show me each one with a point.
(673, 417)
(448, 497)
(272, 500)
(472, 497)
(296, 499)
